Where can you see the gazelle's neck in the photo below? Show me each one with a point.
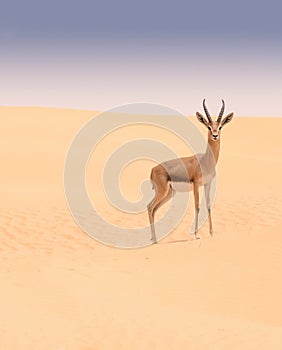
(213, 148)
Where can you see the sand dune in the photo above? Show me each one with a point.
(61, 289)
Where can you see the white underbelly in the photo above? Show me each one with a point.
(182, 186)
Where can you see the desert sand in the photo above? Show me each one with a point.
(62, 290)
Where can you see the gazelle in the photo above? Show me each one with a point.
(197, 170)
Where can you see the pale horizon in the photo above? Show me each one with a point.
(97, 59)
(91, 80)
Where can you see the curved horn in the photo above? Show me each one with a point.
(206, 111)
(221, 112)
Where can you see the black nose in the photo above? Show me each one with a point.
(215, 136)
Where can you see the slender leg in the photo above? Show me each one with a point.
(208, 201)
(163, 194)
(196, 199)
(151, 214)
(169, 195)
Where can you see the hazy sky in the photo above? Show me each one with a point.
(95, 55)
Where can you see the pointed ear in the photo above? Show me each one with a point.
(227, 119)
(202, 119)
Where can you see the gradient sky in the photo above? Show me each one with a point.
(96, 55)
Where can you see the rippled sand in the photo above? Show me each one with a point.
(60, 289)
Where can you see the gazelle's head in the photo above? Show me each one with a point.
(214, 127)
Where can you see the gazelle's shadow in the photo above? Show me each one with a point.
(178, 241)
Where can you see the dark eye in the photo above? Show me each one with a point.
(220, 128)
(209, 128)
